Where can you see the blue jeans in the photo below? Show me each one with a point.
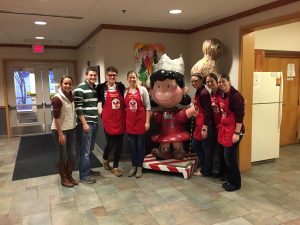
(205, 152)
(85, 144)
(137, 148)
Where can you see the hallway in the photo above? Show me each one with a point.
(270, 194)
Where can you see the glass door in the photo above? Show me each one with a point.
(30, 87)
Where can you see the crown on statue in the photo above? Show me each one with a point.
(165, 63)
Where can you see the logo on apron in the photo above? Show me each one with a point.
(115, 103)
(132, 105)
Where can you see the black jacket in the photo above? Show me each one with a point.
(101, 89)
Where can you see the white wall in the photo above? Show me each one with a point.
(284, 38)
(26, 53)
(229, 34)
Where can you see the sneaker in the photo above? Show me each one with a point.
(88, 180)
(117, 172)
(95, 173)
(197, 172)
(106, 164)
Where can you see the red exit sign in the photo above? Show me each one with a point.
(38, 48)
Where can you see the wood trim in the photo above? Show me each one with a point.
(30, 46)
(243, 14)
(245, 81)
(277, 21)
(8, 130)
(282, 54)
(131, 28)
(91, 35)
(2, 107)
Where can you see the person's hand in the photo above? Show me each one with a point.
(147, 126)
(86, 128)
(235, 138)
(61, 139)
(204, 134)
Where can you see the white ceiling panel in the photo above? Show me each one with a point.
(17, 27)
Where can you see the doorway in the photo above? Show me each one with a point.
(30, 87)
(246, 70)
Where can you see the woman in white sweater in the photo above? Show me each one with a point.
(63, 124)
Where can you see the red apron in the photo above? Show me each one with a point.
(227, 124)
(135, 113)
(215, 105)
(113, 114)
(199, 119)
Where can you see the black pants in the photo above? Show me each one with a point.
(114, 144)
(231, 163)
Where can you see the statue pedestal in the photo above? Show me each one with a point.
(185, 166)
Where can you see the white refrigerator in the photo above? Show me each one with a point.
(266, 115)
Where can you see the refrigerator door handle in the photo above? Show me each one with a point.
(279, 114)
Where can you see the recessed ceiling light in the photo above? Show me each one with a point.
(40, 22)
(39, 38)
(175, 11)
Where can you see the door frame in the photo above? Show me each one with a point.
(5, 61)
(245, 76)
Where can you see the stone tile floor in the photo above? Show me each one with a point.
(270, 195)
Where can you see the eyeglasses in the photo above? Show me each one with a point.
(112, 75)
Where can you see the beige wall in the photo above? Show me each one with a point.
(284, 38)
(229, 34)
(26, 53)
(116, 48)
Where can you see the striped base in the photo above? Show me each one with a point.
(185, 166)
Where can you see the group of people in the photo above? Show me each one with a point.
(219, 124)
(75, 120)
(219, 127)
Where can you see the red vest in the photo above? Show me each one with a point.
(135, 113)
(113, 113)
(227, 124)
(199, 118)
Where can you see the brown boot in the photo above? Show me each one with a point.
(163, 153)
(69, 170)
(179, 154)
(63, 176)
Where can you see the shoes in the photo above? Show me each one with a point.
(197, 172)
(132, 171)
(229, 187)
(88, 180)
(117, 172)
(106, 164)
(95, 173)
(139, 172)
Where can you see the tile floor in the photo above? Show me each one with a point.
(270, 194)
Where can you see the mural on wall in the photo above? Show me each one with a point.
(146, 56)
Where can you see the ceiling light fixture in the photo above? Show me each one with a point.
(39, 38)
(175, 11)
(42, 23)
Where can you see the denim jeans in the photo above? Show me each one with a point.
(85, 143)
(66, 152)
(137, 148)
(231, 163)
(205, 152)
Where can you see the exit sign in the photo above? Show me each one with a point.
(38, 48)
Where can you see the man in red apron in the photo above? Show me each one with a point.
(111, 95)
